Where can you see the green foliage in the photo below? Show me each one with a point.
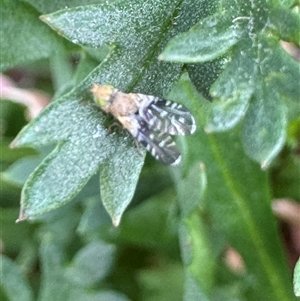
(79, 175)
(34, 43)
(297, 279)
(14, 283)
(261, 73)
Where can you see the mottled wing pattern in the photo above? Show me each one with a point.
(159, 144)
(168, 117)
(151, 120)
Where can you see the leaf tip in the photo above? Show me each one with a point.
(21, 217)
(267, 161)
(116, 220)
(265, 164)
(14, 143)
(17, 142)
(43, 18)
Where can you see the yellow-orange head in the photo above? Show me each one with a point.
(103, 95)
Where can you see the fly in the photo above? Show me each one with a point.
(149, 119)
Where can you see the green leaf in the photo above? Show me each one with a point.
(13, 282)
(150, 281)
(194, 236)
(93, 217)
(297, 279)
(232, 97)
(18, 172)
(192, 290)
(12, 234)
(53, 222)
(264, 127)
(80, 129)
(287, 23)
(9, 155)
(56, 170)
(198, 257)
(205, 41)
(257, 61)
(61, 70)
(53, 283)
(12, 118)
(57, 286)
(191, 188)
(86, 65)
(225, 115)
(266, 112)
(237, 203)
(102, 296)
(203, 75)
(151, 224)
(288, 3)
(33, 42)
(114, 194)
(45, 6)
(280, 70)
(91, 264)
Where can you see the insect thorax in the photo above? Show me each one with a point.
(122, 104)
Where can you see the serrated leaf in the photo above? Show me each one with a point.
(237, 202)
(255, 81)
(129, 48)
(13, 282)
(33, 42)
(39, 195)
(257, 60)
(85, 146)
(205, 41)
(264, 127)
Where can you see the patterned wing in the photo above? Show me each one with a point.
(168, 117)
(159, 144)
